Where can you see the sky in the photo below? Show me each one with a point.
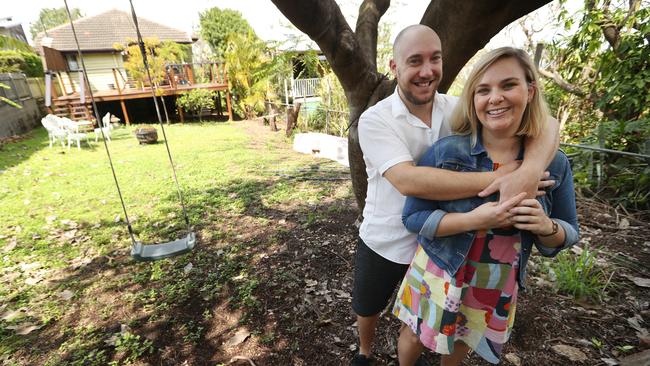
(265, 18)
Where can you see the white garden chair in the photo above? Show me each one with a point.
(73, 132)
(55, 130)
(105, 127)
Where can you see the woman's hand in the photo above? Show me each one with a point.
(492, 215)
(529, 215)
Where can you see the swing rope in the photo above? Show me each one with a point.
(96, 111)
(139, 251)
(155, 101)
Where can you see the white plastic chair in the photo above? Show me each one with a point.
(54, 129)
(73, 132)
(105, 128)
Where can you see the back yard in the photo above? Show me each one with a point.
(269, 282)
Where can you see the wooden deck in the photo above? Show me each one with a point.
(176, 82)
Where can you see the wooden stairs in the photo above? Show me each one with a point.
(73, 109)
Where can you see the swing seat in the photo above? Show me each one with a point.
(151, 252)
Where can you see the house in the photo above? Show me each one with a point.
(12, 29)
(107, 76)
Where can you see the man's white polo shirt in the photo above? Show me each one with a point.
(389, 134)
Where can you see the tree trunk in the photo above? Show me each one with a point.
(274, 127)
(463, 26)
(292, 117)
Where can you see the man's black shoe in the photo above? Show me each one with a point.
(361, 360)
(421, 361)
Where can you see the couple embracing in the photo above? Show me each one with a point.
(434, 224)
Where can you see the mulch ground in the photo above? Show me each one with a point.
(308, 308)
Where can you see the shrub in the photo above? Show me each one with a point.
(579, 276)
(196, 100)
(21, 61)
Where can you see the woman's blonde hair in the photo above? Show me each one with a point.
(465, 121)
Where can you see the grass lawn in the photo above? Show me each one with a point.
(67, 279)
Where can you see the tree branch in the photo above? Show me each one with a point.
(463, 35)
(367, 27)
(565, 85)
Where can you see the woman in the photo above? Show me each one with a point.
(460, 291)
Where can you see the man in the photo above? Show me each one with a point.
(393, 135)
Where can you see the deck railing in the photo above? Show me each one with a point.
(175, 75)
(301, 88)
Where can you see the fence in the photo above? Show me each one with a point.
(18, 88)
(17, 120)
(318, 118)
(36, 87)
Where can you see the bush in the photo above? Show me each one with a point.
(28, 63)
(196, 100)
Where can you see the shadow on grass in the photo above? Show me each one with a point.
(14, 153)
(248, 271)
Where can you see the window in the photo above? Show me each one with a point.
(71, 59)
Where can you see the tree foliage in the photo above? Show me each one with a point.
(51, 17)
(11, 43)
(159, 54)
(26, 62)
(249, 72)
(218, 24)
(597, 82)
(331, 116)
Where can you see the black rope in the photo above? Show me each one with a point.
(155, 101)
(96, 111)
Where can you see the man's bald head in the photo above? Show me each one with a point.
(417, 65)
(411, 31)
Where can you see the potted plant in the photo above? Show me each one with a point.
(146, 135)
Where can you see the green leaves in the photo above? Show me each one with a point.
(217, 25)
(21, 61)
(159, 54)
(196, 100)
(249, 72)
(614, 73)
(49, 18)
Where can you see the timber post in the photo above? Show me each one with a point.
(180, 114)
(60, 80)
(126, 115)
(228, 105)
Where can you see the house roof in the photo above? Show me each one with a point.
(102, 31)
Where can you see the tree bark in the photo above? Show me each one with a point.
(292, 117)
(370, 12)
(272, 124)
(464, 28)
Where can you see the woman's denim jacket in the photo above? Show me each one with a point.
(456, 153)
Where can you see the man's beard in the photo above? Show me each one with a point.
(413, 100)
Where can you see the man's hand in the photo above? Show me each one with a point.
(520, 180)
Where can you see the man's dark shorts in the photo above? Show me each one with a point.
(375, 279)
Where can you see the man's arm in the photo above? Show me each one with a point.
(440, 184)
(539, 154)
